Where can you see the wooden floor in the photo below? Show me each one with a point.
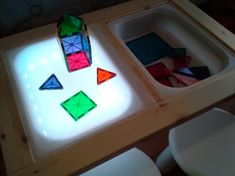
(156, 143)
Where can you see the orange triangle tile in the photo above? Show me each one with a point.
(104, 75)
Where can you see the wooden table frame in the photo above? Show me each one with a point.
(168, 110)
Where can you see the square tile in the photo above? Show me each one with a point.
(78, 105)
(77, 61)
(72, 44)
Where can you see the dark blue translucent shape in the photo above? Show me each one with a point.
(150, 47)
(51, 83)
(72, 44)
(201, 72)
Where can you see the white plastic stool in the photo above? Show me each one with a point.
(131, 163)
(205, 145)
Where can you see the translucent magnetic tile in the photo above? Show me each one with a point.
(200, 72)
(77, 61)
(86, 47)
(69, 25)
(51, 83)
(104, 75)
(187, 80)
(72, 44)
(78, 105)
(149, 48)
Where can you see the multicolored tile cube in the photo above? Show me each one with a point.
(75, 42)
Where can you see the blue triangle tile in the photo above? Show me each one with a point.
(51, 83)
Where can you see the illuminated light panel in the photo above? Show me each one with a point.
(78, 105)
(49, 126)
(77, 61)
(51, 83)
(104, 75)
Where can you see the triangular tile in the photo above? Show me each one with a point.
(104, 75)
(51, 83)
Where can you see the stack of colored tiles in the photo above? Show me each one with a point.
(75, 42)
(150, 48)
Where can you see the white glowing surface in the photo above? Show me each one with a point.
(49, 126)
(37, 62)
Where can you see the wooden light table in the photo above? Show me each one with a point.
(163, 110)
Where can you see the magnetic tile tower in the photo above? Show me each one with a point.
(75, 42)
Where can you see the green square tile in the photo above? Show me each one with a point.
(78, 105)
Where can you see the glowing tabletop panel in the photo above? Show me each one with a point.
(49, 126)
